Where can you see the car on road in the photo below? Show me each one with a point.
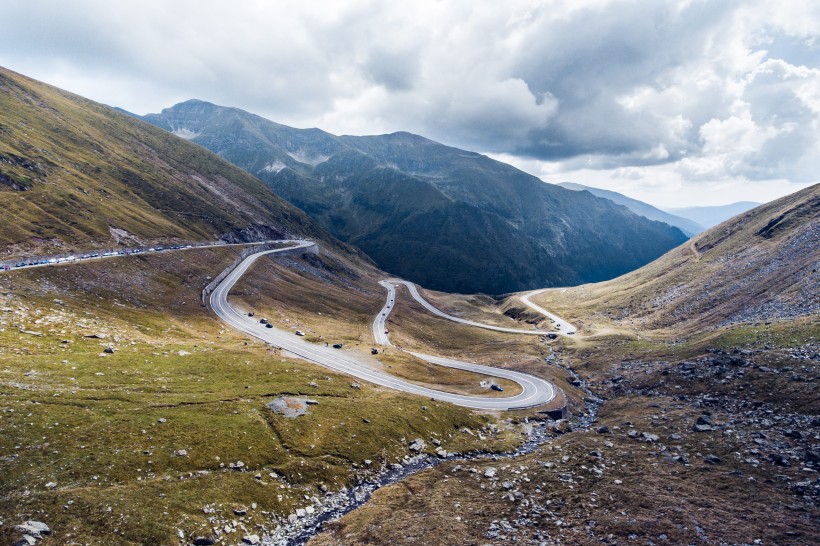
(300, 333)
(337, 345)
(269, 325)
(263, 321)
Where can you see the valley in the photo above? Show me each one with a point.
(602, 379)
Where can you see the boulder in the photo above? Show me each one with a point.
(647, 437)
(34, 528)
(704, 420)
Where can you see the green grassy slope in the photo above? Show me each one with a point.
(71, 170)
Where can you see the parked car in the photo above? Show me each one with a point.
(263, 321)
(300, 333)
(374, 351)
(337, 345)
(269, 325)
(250, 314)
(495, 387)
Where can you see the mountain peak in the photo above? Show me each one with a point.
(447, 218)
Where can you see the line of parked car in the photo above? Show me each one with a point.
(92, 255)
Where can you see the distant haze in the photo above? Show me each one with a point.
(712, 216)
(673, 102)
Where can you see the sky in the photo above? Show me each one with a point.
(677, 103)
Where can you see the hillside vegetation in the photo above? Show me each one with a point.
(702, 369)
(446, 218)
(74, 173)
(760, 265)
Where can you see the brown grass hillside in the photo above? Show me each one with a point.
(75, 173)
(758, 266)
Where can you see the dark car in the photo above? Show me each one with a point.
(250, 314)
(337, 345)
(495, 387)
(269, 325)
(263, 321)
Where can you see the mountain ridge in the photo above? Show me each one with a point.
(757, 266)
(77, 173)
(711, 216)
(640, 208)
(446, 218)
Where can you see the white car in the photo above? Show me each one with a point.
(300, 333)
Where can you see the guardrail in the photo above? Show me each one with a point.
(312, 249)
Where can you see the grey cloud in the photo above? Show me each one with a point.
(589, 60)
(584, 84)
(396, 70)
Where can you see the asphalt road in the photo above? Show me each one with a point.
(563, 327)
(89, 255)
(535, 391)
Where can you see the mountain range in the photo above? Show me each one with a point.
(640, 208)
(714, 215)
(758, 266)
(446, 218)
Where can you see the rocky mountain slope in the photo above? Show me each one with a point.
(640, 208)
(446, 218)
(701, 410)
(77, 174)
(760, 265)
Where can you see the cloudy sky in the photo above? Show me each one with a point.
(677, 103)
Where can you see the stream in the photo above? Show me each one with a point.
(299, 531)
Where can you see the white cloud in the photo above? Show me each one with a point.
(670, 94)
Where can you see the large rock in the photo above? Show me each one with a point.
(417, 445)
(34, 528)
(289, 406)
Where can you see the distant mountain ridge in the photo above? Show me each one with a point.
(712, 216)
(449, 219)
(640, 208)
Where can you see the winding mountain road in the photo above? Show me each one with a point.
(562, 326)
(535, 391)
